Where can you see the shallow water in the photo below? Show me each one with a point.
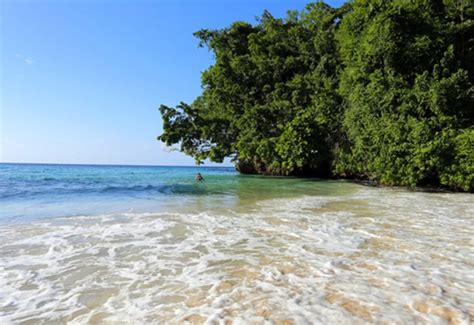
(255, 251)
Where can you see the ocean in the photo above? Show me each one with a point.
(143, 244)
(34, 191)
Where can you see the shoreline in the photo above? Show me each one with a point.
(345, 257)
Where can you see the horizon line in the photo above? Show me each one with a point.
(99, 164)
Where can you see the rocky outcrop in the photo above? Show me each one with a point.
(258, 167)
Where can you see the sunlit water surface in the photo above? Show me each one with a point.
(133, 245)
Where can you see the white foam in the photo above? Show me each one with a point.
(376, 254)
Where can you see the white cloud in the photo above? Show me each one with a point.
(24, 59)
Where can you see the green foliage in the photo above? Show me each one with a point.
(375, 89)
(409, 96)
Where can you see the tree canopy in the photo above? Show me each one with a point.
(379, 90)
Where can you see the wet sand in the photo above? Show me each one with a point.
(370, 256)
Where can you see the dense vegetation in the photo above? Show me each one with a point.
(379, 90)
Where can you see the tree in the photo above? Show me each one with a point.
(409, 96)
(374, 89)
(270, 99)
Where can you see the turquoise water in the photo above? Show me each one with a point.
(30, 191)
(150, 245)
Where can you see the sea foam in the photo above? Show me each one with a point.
(370, 256)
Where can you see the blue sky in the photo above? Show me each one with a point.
(81, 81)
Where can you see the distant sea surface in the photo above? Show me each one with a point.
(137, 245)
(31, 191)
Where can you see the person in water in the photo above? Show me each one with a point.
(199, 177)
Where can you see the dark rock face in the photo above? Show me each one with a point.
(257, 167)
(246, 167)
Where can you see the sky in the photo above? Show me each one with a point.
(82, 80)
